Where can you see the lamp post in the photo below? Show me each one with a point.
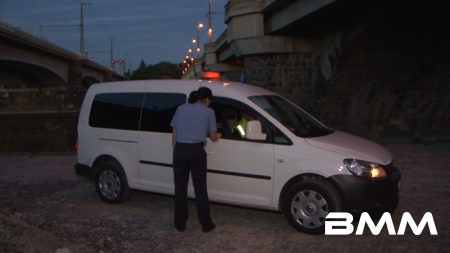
(209, 22)
(209, 15)
(199, 27)
(195, 43)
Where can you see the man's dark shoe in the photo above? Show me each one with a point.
(180, 228)
(208, 228)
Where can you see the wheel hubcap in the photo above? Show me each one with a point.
(309, 209)
(109, 184)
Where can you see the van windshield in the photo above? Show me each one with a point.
(292, 117)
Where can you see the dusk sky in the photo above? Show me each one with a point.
(149, 30)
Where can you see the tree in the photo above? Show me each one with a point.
(162, 70)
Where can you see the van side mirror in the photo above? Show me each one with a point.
(254, 131)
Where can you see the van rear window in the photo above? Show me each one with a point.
(116, 110)
(158, 111)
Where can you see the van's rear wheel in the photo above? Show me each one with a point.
(308, 202)
(111, 182)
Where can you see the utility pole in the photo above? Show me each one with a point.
(82, 52)
(124, 61)
(111, 54)
(81, 25)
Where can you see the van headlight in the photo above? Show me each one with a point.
(364, 168)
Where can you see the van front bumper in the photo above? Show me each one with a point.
(362, 194)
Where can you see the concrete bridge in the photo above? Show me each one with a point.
(267, 32)
(286, 46)
(37, 76)
(27, 61)
(262, 27)
(333, 57)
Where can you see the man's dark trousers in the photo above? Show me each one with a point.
(190, 158)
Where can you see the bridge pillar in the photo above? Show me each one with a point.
(244, 19)
(75, 75)
(246, 52)
(108, 76)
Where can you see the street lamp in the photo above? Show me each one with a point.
(210, 30)
(209, 15)
(209, 22)
(195, 43)
(199, 27)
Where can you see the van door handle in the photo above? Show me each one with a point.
(280, 160)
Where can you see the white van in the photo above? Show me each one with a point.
(286, 160)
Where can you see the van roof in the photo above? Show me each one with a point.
(240, 89)
(218, 88)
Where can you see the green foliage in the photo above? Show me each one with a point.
(162, 70)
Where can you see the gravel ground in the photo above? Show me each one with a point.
(47, 208)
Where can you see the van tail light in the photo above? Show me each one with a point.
(76, 142)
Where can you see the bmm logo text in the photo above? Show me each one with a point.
(340, 223)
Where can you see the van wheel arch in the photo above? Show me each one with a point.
(110, 180)
(99, 161)
(288, 185)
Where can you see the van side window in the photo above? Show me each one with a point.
(116, 110)
(158, 111)
(231, 116)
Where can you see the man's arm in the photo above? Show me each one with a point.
(212, 128)
(174, 137)
(215, 136)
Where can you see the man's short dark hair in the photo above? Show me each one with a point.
(193, 97)
(204, 92)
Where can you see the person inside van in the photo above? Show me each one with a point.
(191, 124)
(241, 127)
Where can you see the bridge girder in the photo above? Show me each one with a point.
(34, 61)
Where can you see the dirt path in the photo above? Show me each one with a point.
(47, 208)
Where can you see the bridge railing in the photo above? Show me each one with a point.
(8, 31)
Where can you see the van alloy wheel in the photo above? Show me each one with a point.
(309, 208)
(307, 203)
(111, 182)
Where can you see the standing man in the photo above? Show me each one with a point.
(191, 124)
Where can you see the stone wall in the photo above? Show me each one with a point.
(392, 79)
(377, 72)
(391, 83)
(38, 132)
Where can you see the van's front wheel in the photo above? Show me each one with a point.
(308, 202)
(111, 182)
